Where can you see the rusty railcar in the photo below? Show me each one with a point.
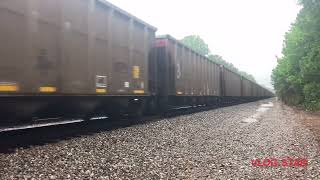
(188, 77)
(232, 83)
(246, 88)
(68, 52)
(82, 58)
(256, 90)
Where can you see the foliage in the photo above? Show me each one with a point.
(197, 44)
(296, 78)
(312, 96)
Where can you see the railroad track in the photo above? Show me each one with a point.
(51, 130)
(41, 123)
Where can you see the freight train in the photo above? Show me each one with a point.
(82, 58)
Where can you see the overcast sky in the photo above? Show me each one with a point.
(247, 33)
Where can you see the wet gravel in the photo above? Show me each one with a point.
(216, 144)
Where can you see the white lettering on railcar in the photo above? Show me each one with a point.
(126, 84)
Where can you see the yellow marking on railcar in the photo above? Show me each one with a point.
(8, 88)
(48, 89)
(100, 90)
(138, 91)
(136, 72)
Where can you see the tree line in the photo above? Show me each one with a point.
(296, 78)
(199, 45)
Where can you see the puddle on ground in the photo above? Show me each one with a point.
(250, 120)
(262, 109)
(270, 104)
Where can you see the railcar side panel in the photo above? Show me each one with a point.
(61, 56)
(232, 83)
(246, 88)
(74, 47)
(192, 74)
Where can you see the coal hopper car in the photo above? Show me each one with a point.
(185, 77)
(78, 59)
(71, 58)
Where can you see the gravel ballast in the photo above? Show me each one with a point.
(216, 144)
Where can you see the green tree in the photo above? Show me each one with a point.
(197, 44)
(296, 78)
